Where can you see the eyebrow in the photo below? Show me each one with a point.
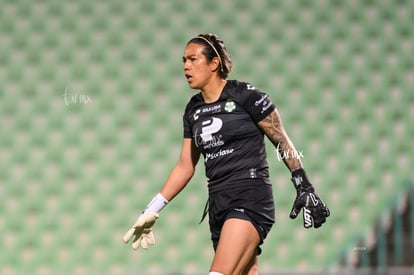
(189, 56)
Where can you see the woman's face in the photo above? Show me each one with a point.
(198, 71)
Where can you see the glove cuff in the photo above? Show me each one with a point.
(300, 181)
(156, 204)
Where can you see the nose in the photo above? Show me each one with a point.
(186, 65)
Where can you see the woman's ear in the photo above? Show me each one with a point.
(215, 64)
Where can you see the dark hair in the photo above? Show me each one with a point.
(214, 47)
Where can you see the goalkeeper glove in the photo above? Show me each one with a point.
(142, 229)
(315, 211)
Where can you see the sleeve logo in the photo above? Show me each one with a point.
(265, 102)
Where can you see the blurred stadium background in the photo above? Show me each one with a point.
(91, 101)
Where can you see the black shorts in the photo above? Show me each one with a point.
(252, 202)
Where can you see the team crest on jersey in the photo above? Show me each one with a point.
(230, 106)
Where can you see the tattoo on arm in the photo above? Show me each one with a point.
(273, 128)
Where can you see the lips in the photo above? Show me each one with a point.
(189, 77)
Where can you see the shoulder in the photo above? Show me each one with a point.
(195, 102)
(242, 91)
(239, 86)
(256, 102)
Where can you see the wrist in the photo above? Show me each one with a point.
(156, 204)
(300, 180)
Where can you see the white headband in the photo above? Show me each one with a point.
(212, 46)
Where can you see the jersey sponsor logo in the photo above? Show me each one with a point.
(215, 142)
(213, 109)
(265, 102)
(206, 138)
(261, 100)
(210, 127)
(268, 105)
(307, 219)
(221, 153)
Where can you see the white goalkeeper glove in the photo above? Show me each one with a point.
(142, 228)
(142, 231)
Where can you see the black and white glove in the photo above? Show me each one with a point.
(315, 211)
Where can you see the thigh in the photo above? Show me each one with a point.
(253, 203)
(237, 246)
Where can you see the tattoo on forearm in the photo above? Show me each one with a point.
(273, 128)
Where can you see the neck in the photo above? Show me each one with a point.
(211, 92)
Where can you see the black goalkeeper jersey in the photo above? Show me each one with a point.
(226, 133)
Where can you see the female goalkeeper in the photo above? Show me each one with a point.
(226, 123)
